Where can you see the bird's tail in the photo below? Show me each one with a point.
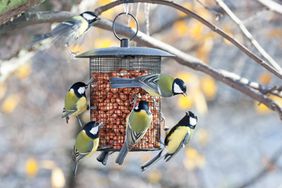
(152, 161)
(40, 37)
(124, 82)
(122, 153)
(103, 157)
(75, 168)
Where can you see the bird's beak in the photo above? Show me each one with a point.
(100, 125)
(184, 94)
(89, 81)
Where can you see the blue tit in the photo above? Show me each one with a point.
(68, 31)
(155, 84)
(86, 142)
(177, 138)
(138, 122)
(75, 101)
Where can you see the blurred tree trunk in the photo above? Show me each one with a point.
(10, 9)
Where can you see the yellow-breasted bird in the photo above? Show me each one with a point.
(86, 142)
(155, 84)
(138, 122)
(70, 30)
(75, 101)
(176, 139)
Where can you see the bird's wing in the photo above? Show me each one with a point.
(133, 137)
(181, 145)
(150, 82)
(169, 134)
(76, 155)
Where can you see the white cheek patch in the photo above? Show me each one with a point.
(136, 108)
(81, 90)
(88, 16)
(94, 130)
(177, 89)
(193, 121)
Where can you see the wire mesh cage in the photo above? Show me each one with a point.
(112, 106)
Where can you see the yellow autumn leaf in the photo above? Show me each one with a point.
(261, 108)
(3, 89)
(103, 43)
(154, 176)
(193, 159)
(187, 5)
(31, 167)
(184, 102)
(203, 137)
(200, 101)
(196, 30)
(186, 77)
(204, 50)
(23, 71)
(57, 178)
(277, 33)
(265, 78)
(209, 87)
(181, 28)
(10, 103)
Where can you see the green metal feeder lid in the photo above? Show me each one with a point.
(124, 51)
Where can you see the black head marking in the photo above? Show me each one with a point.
(142, 105)
(89, 16)
(178, 87)
(78, 88)
(92, 129)
(189, 120)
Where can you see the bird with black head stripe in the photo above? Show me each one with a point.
(75, 101)
(177, 138)
(68, 31)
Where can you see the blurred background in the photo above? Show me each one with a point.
(237, 142)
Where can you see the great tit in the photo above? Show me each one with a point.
(75, 101)
(155, 84)
(138, 122)
(68, 31)
(86, 142)
(176, 139)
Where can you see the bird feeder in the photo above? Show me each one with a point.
(112, 106)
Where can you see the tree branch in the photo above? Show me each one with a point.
(268, 167)
(196, 64)
(192, 62)
(249, 36)
(213, 27)
(30, 18)
(17, 9)
(271, 5)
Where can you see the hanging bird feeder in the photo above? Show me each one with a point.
(113, 105)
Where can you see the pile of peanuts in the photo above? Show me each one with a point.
(113, 107)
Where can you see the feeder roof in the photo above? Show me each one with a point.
(124, 51)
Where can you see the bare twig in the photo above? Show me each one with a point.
(196, 64)
(16, 11)
(249, 36)
(213, 27)
(275, 90)
(30, 18)
(268, 167)
(272, 5)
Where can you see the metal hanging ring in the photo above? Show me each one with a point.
(114, 25)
